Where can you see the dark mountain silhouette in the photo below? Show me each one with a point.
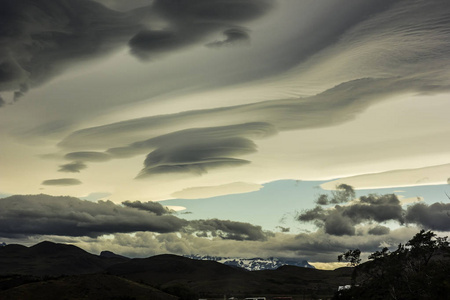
(34, 272)
(111, 254)
(95, 286)
(213, 278)
(51, 259)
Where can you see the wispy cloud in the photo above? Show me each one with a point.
(62, 181)
(73, 167)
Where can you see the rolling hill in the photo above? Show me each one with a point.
(59, 269)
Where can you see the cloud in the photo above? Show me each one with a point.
(189, 22)
(90, 156)
(196, 151)
(316, 246)
(341, 220)
(332, 107)
(96, 196)
(338, 224)
(378, 208)
(32, 215)
(34, 49)
(62, 181)
(124, 5)
(68, 216)
(284, 229)
(226, 229)
(435, 216)
(197, 157)
(343, 193)
(219, 190)
(73, 167)
(212, 11)
(394, 178)
(233, 37)
(149, 206)
(383, 78)
(379, 230)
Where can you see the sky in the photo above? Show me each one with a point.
(249, 128)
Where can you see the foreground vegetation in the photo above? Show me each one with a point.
(419, 269)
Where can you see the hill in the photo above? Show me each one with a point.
(210, 278)
(34, 272)
(94, 286)
(51, 259)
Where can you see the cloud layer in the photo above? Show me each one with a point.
(375, 210)
(40, 40)
(30, 215)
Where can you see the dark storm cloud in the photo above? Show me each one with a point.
(28, 215)
(233, 37)
(38, 39)
(68, 216)
(191, 21)
(226, 229)
(435, 216)
(212, 11)
(341, 220)
(62, 181)
(373, 207)
(90, 156)
(379, 230)
(73, 167)
(149, 206)
(337, 224)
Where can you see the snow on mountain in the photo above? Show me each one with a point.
(255, 264)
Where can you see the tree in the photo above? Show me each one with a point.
(351, 256)
(416, 270)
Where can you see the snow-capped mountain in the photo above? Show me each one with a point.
(2, 244)
(255, 264)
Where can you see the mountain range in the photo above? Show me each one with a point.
(58, 271)
(255, 264)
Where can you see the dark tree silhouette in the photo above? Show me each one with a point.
(351, 256)
(418, 269)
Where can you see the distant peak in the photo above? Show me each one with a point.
(110, 254)
(256, 264)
